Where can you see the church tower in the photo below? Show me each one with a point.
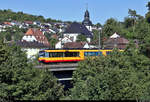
(87, 21)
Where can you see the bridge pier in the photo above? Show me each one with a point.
(61, 71)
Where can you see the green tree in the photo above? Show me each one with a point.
(110, 27)
(20, 81)
(81, 37)
(118, 76)
(148, 5)
(148, 13)
(53, 42)
(95, 36)
(98, 25)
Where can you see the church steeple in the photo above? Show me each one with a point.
(86, 15)
(86, 20)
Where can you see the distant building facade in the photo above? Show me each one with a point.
(31, 48)
(61, 42)
(32, 42)
(35, 35)
(76, 45)
(115, 41)
(76, 29)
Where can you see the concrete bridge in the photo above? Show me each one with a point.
(61, 71)
(59, 67)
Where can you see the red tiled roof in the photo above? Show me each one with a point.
(40, 37)
(28, 22)
(119, 42)
(8, 23)
(122, 40)
(74, 45)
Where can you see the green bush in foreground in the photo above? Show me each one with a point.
(118, 76)
(19, 81)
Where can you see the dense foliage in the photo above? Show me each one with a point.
(9, 15)
(13, 33)
(81, 38)
(19, 80)
(118, 76)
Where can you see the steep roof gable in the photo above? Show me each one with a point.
(40, 37)
(78, 28)
(115, 35)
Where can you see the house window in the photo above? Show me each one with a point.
(71, 38)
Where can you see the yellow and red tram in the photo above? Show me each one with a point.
(69, 55)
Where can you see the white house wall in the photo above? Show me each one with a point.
(86, 46)
(58, 45)
(61, 42)
(89, 28)
(29, 38)
(72, 36)
(88, 39)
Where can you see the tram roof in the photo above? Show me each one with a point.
(77, 49)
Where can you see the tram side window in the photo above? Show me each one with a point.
(46, 54)
(85, 53)
(92, 53)
(56, 54)
(100, 53)
(71, 54)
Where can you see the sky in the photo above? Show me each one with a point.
(73, 10)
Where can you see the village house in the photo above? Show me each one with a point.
(115, 41)
(33, 41)
(61, 42)
(31, 48)
(76, 29)
(35, 35)
(27, 23)
(76, 45)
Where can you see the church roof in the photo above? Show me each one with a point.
(78, 28)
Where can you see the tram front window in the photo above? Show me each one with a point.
(41, 54)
